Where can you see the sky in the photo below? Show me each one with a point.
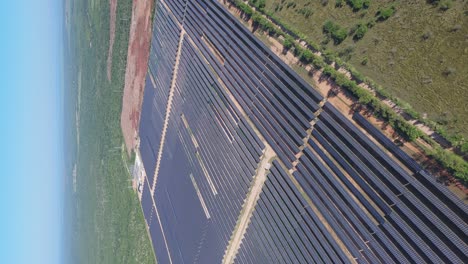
(31, 116)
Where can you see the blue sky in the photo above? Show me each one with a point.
(31, 154)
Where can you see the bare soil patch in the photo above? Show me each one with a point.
(137, 67)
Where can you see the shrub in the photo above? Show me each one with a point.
(313, 45)
(410, 111)
(346, 53)
(359, 77)
(370, 24)
(288, 42)
(357, 5)
(364, 61)
(339, 3)
(260, 4)
(318, 62)
(329, 71)
(340, 79)
(339, 36)
(360, 31)
(298, 50)
(464, 147)
(445, 5)
(449, 71)
(366, 97)
(256, 19)
(454, 163)
(409, 131)
(329, 27)
(337, 33)
(246, 9)
(306, 56)
(384, 13)
(338, 62)
(264, 24)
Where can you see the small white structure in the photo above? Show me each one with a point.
(139, 173)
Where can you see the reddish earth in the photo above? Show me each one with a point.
(113, 14)
(135, 73)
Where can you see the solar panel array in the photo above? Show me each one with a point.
(285, 229)
(332, 195)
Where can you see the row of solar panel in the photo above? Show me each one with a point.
(441, 192)
(228, 151)
(389, 216)
(181, 214)
(175, 205)
(178, 8)
(150, 130)
(284, 229)
(391, 192)
(162, 54)
(229, 161)
(446, 204)
(163, 50)
(278, 105)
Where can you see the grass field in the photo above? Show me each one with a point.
(107, 221)
(418, 54)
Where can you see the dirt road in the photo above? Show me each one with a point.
(136, 69)
(247, 208)
(113, 14)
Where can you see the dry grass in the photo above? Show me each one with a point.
(399, 58)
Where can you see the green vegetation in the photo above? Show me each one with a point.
(245, 8)
(288, 42)
(454, 163)
(361, 30)
(454, 132)
(108, 223)
(381, 110)
(357, 5)
(264, 24)
(426, 77)
(385, 13)
(337, 33)
(260, 4)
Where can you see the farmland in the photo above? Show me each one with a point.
(417, 54)
(107, 220)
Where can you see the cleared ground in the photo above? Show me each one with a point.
(419, 54)
(137, 66)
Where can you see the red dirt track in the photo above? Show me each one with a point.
(135, 73)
